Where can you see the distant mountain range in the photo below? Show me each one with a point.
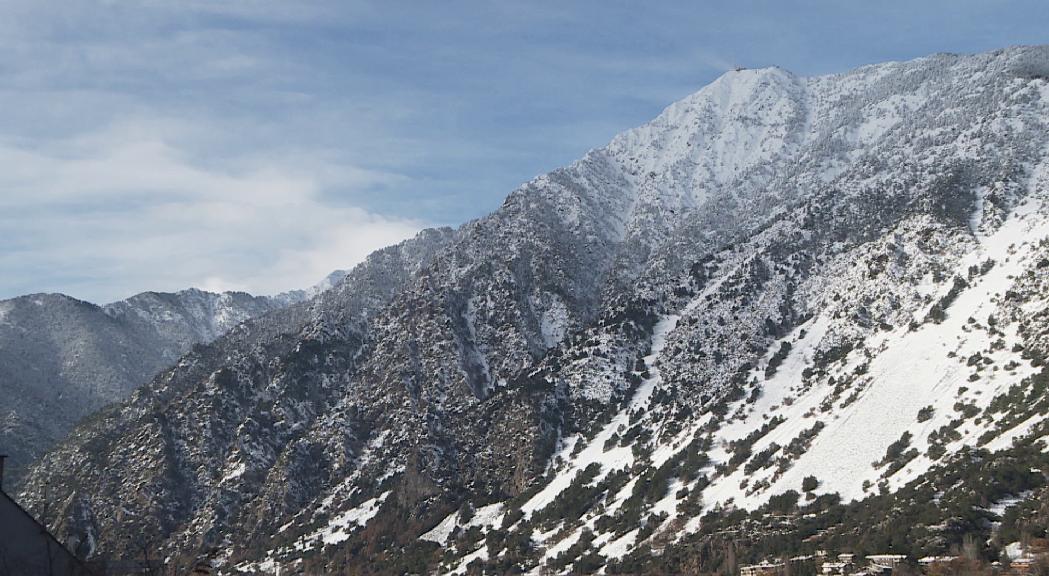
(62, 358)
(788, 315)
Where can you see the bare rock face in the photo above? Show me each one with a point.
(841, 277)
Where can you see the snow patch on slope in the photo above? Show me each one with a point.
(617, 457)
(909, 371)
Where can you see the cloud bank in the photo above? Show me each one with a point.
(126, 208)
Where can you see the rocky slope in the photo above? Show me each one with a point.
(840, 278)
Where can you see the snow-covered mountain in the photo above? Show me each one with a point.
(62, 359)
(295, 296)
(782, 312)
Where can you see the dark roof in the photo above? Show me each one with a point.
(27, 547)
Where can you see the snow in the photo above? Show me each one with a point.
(443, 530)
(340, 527)
(886, 115)
(479, 554)
(999, 507)
(487, 515)
(620, 546)
(235, 472)
(484, 517)
(910, 370)
(554, 322)
(1006, 439)
(1015, 551)
(742, 120)
(594, 452)
(347, 487)
(781, 385)
(668, 504)
(561, 545)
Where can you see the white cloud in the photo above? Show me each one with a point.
(122, 210)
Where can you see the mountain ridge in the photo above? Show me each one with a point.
(114, 348)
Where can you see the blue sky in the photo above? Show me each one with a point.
(157, 145)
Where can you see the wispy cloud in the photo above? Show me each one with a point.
(123, 210)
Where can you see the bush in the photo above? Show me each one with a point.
(895, 450)
(784, 503)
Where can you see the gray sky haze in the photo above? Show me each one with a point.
(158, 145)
